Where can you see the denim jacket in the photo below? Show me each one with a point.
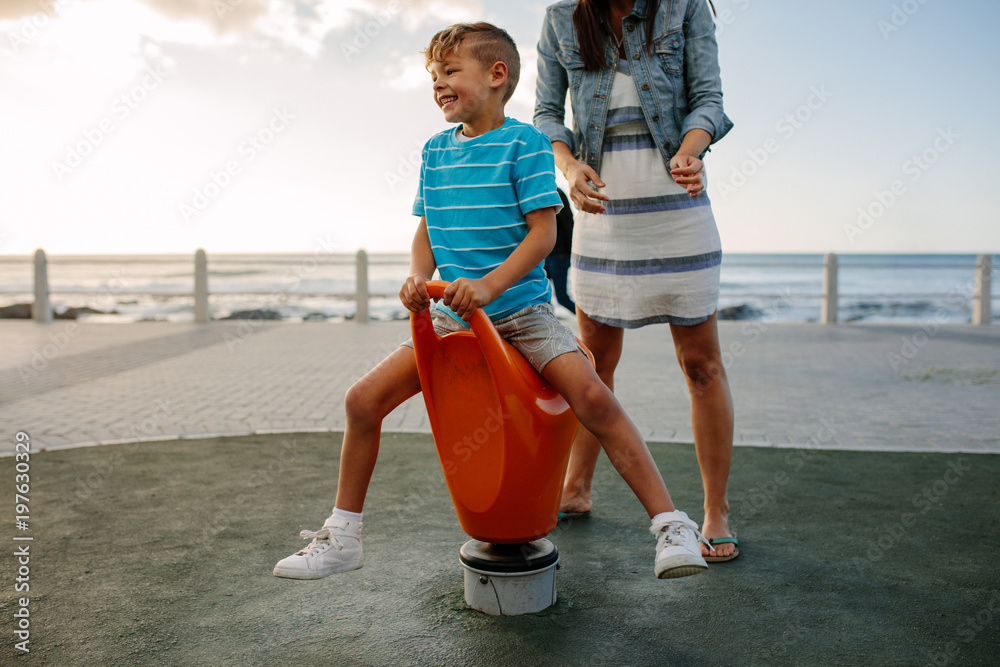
(678, 84)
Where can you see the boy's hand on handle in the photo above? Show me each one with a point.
(414, 294)
(464, 295)
(580, 177)
(688, 172)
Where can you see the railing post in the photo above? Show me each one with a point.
(41, 311)
(200, 287)
(982, 312)
(361, 297)
(828, 314)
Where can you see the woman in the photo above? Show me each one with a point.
(643, 80)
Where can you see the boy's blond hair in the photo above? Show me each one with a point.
(487, 43)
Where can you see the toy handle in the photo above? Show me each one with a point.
(493, 346)
(489, 340)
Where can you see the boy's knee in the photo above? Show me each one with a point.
(595, 401)
(359, 403)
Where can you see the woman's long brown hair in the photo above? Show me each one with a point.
(590, 18)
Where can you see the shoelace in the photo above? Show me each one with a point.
(671, 533)
(318, 537)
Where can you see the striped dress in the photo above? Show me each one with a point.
(654, 255)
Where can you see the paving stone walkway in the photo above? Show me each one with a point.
(907, 387)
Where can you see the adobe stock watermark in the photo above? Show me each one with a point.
(43, 355)
(461, 453)
(369, 30)
(968, 630)
(899, 16)
(786, 127)
(262, 476)
(913, 343)
(220, 179)
(766, 493)
(792, 634)
(892, 533)
(406, 166)
(914, 167)
(123, 107)
(108, 296)
(290, 280)
(910, 346)
(88, 485)
(32, 26)
(753, 330)
(725, 17)
(224, 7)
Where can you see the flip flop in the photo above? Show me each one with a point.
(572, 516)
(724, 540)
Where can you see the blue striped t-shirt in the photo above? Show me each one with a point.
(475, 195)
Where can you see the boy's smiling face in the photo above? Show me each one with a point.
(466, 91)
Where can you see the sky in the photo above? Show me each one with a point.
(162, 126)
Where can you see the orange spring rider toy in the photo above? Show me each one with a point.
(503, 434)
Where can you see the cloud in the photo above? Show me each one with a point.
(406, 72)
(524, 94)
(266, 25)
(418, 13)
(305, 23)
(20, 9)
(221, 14)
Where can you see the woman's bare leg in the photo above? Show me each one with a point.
(700, 357)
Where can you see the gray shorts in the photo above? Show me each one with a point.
(535, 332)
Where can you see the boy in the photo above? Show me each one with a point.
(487, 202)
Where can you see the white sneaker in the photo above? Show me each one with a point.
(336, 547)
(677, 550)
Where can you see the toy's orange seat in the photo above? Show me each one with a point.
(503, 434)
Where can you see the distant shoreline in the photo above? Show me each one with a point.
(306, 287)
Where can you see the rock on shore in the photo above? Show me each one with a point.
(744, 311)
(19, 311)
(22, 311)
(255, 314)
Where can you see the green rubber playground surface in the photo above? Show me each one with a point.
(161, 554)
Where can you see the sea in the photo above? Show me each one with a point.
(876, 288)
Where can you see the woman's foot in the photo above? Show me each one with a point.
(575, 504)
(717, 525)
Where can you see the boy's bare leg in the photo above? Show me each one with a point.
(700, 358)
(367, 403)
(605, 343)
(600, 413)
(336, 547)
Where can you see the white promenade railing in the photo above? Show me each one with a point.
(830, 296)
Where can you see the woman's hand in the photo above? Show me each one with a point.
(581, 192)
(579, 176)
(689, 173)
(414, 294)
(464, 295)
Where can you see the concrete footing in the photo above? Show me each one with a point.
(510, 579)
